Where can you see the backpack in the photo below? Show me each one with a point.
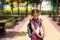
(29, 29)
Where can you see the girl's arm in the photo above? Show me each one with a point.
(43, 30)
(32, 26)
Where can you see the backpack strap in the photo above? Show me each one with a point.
(40, 21)
(33, 23)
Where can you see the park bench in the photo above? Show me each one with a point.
(50, 15)
(59, 21)
(2, 28)
(54, 17)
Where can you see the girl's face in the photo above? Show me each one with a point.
(35, 15)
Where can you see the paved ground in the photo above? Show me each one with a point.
(54, 23)
(50, 31)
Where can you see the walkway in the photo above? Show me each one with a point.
(54, 23)
(22, 35)
(51, 32)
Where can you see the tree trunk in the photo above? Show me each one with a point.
(11, 8)
(53, 10)
(27, 8)
(18, 8)
(57, 8)
(2, 7)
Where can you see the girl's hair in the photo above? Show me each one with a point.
(33, 11)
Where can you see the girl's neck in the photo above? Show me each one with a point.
(35, 19)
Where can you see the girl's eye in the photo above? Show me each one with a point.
(35, 16)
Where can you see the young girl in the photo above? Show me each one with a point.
(37, 30)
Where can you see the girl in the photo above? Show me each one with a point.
(36, 26)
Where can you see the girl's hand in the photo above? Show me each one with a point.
(41, 37)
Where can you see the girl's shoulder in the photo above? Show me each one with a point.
(39, 19)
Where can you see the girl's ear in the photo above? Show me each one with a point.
(39, 13)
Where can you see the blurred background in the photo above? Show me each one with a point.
(17, 7)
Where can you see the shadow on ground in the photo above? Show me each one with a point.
(12, 34)
(21, 33)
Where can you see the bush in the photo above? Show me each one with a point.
(44, 12)
(9, 24)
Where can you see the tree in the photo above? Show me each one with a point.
(18, 8)
(11, 1)
(26, 6)
(55, 5)
(0, 6)
(3, 2)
